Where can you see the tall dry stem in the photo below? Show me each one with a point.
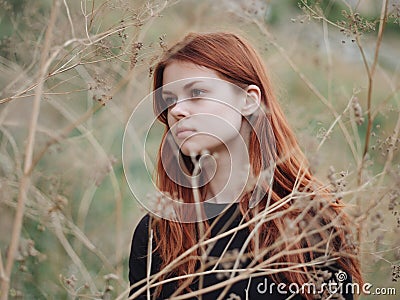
(25, 181)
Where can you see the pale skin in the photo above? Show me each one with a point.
(206, 114)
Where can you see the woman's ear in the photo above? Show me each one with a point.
(252, 100)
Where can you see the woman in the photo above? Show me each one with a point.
(246, 218)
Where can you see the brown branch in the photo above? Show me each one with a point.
(371, 72)
(71, 253)
(2, 273)
(25, 181)
(382, 23)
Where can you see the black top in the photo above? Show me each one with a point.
(256, 287)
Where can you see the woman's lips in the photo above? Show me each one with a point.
(184, 132)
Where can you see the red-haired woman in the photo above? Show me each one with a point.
(243, 217)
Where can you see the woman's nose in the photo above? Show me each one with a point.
(180, 109)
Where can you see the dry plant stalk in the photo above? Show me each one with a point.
(79, 51)
(25, 181)
(82, 51)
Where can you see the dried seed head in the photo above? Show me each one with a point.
(357, 110)
(233, 296)
(395, 273)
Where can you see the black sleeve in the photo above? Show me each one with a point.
(138, 255)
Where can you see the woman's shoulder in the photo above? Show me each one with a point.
(143, 222)
(140, 236)
(142, 228)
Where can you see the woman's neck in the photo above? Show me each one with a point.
(231, 173)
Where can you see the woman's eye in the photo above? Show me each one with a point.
(170, 101)
(197, 93)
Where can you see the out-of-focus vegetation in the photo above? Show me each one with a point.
(71, 73)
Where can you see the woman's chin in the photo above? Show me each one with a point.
(190, 149)
(197, 145)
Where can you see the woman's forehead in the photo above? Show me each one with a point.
(178, 70)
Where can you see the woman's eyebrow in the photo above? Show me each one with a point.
(185, 87)
(190, 84)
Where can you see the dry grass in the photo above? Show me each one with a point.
(72, 72)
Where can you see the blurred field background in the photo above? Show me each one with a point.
(72, 72)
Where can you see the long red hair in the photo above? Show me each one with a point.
(237, 62)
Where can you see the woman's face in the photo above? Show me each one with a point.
(204, 111)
